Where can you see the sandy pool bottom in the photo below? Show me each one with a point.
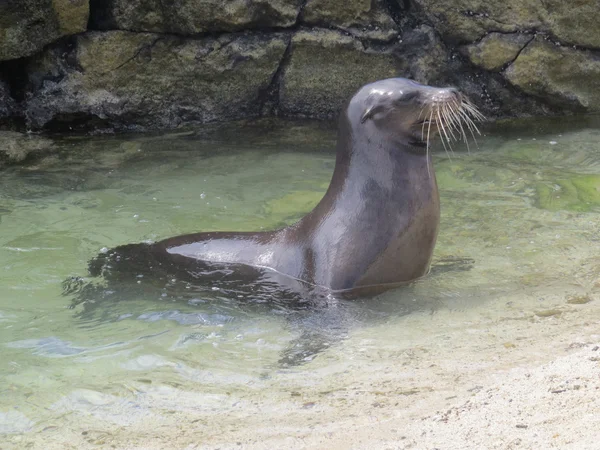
(501, 375)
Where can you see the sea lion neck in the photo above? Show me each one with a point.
(366, 155)
(357, 234)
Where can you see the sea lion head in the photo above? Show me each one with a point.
(410, 114)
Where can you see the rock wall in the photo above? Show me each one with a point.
(147, 64)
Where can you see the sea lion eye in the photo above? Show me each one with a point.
(408, 96)
(370, 112)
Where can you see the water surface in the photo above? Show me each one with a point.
(518, 275)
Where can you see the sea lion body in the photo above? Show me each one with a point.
(378, 221)
(370, 233)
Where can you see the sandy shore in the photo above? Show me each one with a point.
(515, 380)
(554, 405)
(505, 403)
(501, 375)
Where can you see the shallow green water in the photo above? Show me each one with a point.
(524, 207)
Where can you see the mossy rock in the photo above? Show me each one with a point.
(496, 50)
(366, 18)
(580, 193)
(326, 68)
(191, 17)
(26, 26)
(120, 78)
(565, 76)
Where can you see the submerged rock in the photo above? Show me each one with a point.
(578, 193)
(26, 26)
(14, 422)
(16, 147)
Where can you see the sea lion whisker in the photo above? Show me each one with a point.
(456, 115)
(469, 121)
(470, 125)
(424, 121)
(447, 128)
(447, 113)
(468, 113)
(462, 129)
(440, 127)
(476, 111)
(427, 145)
(423, 128)
(456, 120)
(466, 104)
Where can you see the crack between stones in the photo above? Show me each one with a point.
(554, 40)
(396, 11)
(504, 33)
(534, 32)
(510, 63)
(269, 97)
(510, 25)
(149, 46)
(366, 42)
(206, 34)
(299, 16)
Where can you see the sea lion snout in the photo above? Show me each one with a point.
(446, 95)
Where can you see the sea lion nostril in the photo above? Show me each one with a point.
(455, 94)
(445, 95)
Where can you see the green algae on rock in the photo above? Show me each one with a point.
(469, 20)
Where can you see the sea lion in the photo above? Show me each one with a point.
(374, 229)
(378, 222)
